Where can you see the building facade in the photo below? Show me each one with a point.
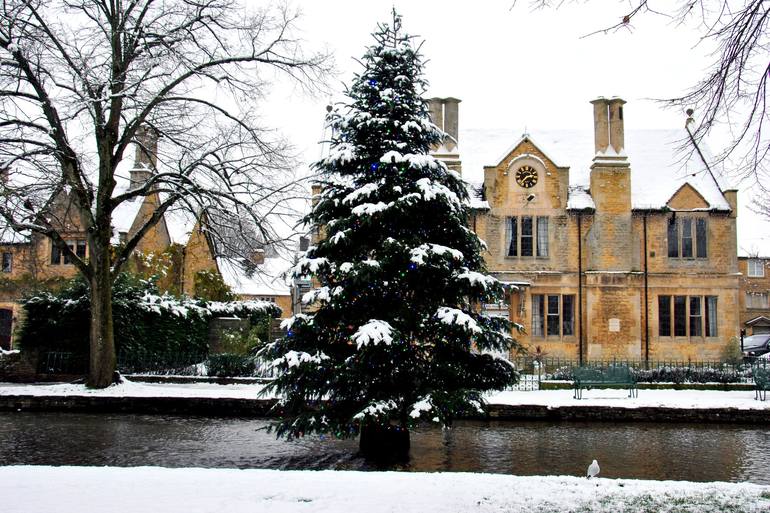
(608, 251)
(755, 289)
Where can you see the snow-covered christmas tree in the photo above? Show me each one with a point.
(397, 337)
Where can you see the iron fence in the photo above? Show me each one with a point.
(62, 362)
(533, 370)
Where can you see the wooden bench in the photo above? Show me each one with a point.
(761, 381)
(604, 377)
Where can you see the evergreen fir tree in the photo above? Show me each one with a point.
(396, 337)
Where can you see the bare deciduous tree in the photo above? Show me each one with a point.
(734, 91)
(80, 78)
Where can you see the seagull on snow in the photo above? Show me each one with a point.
(593, 470)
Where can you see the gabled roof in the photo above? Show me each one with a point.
(659, 167)
(758, 320)
(681, 195)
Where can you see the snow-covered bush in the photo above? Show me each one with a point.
(149, 327)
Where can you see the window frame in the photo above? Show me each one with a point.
(706, 315)
(9, 268)
(77, 246)
(752, 304)
(542, 313)
(691, 244)
(538, 237)
(757, 262)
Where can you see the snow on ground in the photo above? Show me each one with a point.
(146, 489)
(739, 399)
(618, 398)
(136, 389)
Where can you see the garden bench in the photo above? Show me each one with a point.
(604, 377)
(761, 381)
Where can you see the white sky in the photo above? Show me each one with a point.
(516, 68)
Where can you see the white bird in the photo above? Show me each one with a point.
(593, 470)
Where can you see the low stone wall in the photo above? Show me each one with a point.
(17, 369)
(143, 405)
(265, 408)
(643, 414)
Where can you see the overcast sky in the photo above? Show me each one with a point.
(516, 68)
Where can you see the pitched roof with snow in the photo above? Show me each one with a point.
(266, 279)
(661, 162)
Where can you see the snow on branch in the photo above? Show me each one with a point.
(455, 317)
(373, 333)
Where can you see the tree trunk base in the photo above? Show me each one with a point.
(384, 444)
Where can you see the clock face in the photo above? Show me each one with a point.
(526, 176)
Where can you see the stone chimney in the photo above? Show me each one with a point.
(445, 114)
(601, 125)
(610, 237)
(436, 110)
(617, 135)
(146, 159)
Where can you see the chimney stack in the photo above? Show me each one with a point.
(451, 122)
(601, 125)
(445, 114)
(617, 136)
(146, 159)
(610, 236)
(436, 110)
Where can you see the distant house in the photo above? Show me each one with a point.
(755, 289)
(614, 244)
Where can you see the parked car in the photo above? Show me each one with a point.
(756, 346)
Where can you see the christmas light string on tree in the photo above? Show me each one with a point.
(395, 337)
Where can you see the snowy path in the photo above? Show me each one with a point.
(687, 399)
(147, 489)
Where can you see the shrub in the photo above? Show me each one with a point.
(732, 352)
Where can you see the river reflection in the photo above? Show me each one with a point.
(624, 450)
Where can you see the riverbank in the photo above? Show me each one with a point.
(735, 406)
(141, 489)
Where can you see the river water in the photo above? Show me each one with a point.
(624, 450)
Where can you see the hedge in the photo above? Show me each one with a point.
(144, 322)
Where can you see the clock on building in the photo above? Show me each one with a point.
(526, 176)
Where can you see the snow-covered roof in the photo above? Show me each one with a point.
(474, 194)
(579, 198)
(10, 236)
(180, 223)
(268, 278)
(659, 165)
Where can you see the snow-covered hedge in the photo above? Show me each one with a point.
(146, 323)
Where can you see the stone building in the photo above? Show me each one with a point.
(610, 250)
(31, 262)
(755, 289)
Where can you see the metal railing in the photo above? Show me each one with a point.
(534, 370)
